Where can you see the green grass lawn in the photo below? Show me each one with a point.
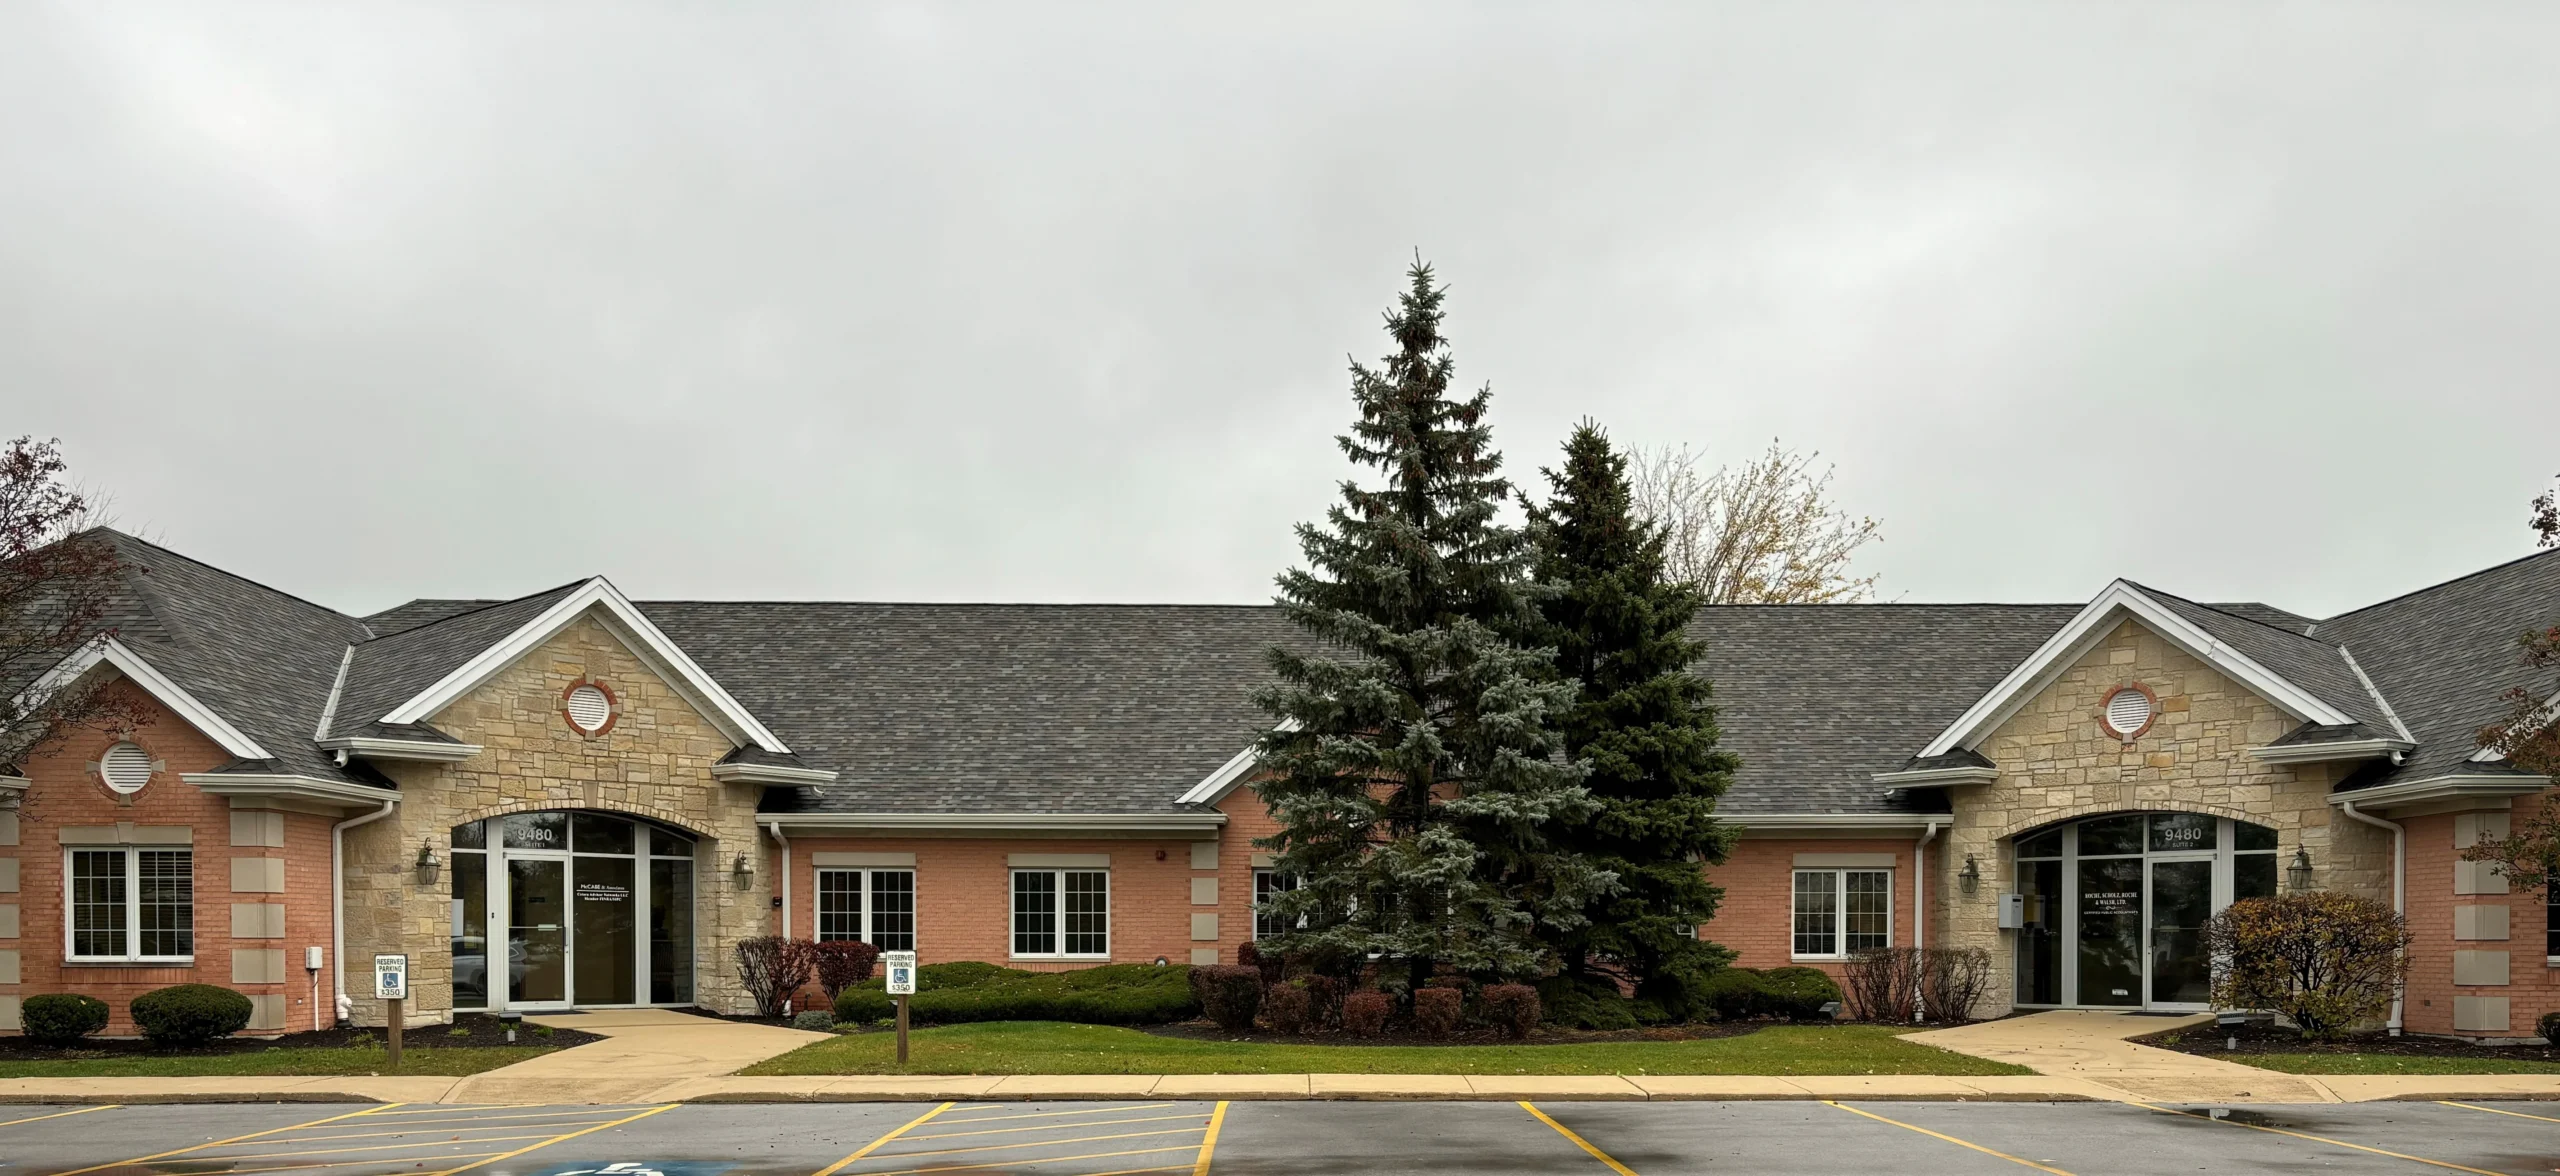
(2374, 1063)
(448, 1063)
(1050, 1047)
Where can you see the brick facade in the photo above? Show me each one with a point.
(1756, 919)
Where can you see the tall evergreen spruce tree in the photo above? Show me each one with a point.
(1416, 774)
(1642, 719)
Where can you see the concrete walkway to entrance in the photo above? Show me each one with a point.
(643, 1050)
(2091, 1045)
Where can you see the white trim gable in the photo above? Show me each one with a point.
(2550, 712)
(2090, 627)
(1215, 786)
(116, 655)
(625, 621)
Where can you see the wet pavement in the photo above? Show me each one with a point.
(1121, 1139)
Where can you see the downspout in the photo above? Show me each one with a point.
(2399, 885)
(338, 901)
(775, 828)
(1920, 904)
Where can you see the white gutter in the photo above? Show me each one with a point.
(775, 828)
(1045, 824)
(338, 897)
(1920, 902)
(2399, 884)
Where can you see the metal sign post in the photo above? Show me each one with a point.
(391, 986)
(902, 984)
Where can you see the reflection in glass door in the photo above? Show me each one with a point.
(2111, 931)
(537, 931)
(2181, 903)
(2113, 909)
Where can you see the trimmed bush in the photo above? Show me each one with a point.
(951, 994)
(1512, 1006)
(815, 1021)
(2324, 960)
(1883, 982)
(1365, 1013)
(1324, 1001)
(1733, 994)
(62, 1018)
(2549, 1025)
(1436, 1010)
(1285, 1007)
(1797, 993)
(187, 1015)
(1272, 965)
(843, 963)
(1586, 1002)
(1231, 994)
(1953, 980)
(771, 968)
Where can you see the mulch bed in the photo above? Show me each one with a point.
(478, 1030)
(1544, 1035)
(2261, 1038)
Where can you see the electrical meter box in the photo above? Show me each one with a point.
(2013, 911)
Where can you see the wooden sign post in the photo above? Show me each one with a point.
(901, 984)
(391, 986)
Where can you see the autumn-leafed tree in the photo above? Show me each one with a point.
(1416, 771)
(1765, 532)
(2527, 736)
(57, 591)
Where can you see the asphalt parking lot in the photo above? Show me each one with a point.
(1122, 1139)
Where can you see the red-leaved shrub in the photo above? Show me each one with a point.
(772, 968)
(1250, 954)
(1512, 1006)
(1364, 1014)
(1324, 1001)
(1285, 1007)
(843, 963)
(1435, 1010)
(1230, 993)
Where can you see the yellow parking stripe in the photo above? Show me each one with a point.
(510, 1118)
(1561, 1129)
(1209, 1142)
(60, 1114)
(434, 1131)
(2464, 1106)
(951, 1151)
(226, 1142)
(2319, 1139)
(874, 1145)
(1060, 1114)
(1949, 1138)
(412, 1145)
(1051, 1127)
(557, 1139)
(1144, 1151)
(339, 1164)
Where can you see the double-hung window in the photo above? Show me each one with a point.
(877, 907)
(1062, 914)
(1839, 913)
(131, 905)
(1266, 923)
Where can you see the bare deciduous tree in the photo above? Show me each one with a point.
(1766, 532)
(57, 590)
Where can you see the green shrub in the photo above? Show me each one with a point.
(1364, 1014)
(1435, 1010)
(950, 994)
(1514, 1007)
(190, 1014)
(1231, 994)
(1285, 1007)
(2327, 961)
(1797, 993)
(62, 1018)
(815, 1021)
(2549, 1025)
(1733, 994)
(1586, 1002)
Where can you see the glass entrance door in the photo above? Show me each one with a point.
(2115, 907)
(2181, 903)
(537, 931)
(552, 909)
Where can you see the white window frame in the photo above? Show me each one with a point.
(1258, 876)
(1839, 876)
(1058, 912)
(870, 891)
(132, 905)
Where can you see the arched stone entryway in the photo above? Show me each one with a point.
(561, 908)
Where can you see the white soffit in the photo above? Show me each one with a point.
(113, 654)
(626, 623)
(2091, 626)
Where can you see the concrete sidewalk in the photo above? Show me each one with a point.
(2090, 1045)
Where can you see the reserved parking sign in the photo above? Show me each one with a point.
(902, 972)
(391, 977)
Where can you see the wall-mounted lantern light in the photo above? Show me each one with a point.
(428, 866)
(744, 871)
(1971, 876)
(2297, 877)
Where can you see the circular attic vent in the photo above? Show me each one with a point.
(589, 708)
(125, 768)
(2129, 712)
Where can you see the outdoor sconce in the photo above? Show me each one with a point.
(2297, 877)
(428, 866)
(744, 871)
(1971, 876)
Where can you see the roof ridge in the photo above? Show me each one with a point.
(2442, 584)
(269, 589)
(470, 612)
(963, 603)
(2223, 612)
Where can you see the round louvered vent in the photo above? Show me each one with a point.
(589, 707)
(125, 767)
(2128, 712)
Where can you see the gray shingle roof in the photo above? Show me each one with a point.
(2318, 667)
(388, 671)
(2444, 655)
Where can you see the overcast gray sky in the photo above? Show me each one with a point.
(1053, 301)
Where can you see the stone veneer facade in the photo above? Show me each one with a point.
(654, 761)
